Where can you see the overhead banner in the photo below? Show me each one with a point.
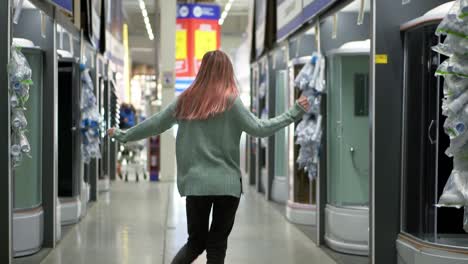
(66, 5)
(292, 14)
(197, 32)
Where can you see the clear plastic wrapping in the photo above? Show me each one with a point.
(311, 80)
(453, 24)
(452, 45)
(19, 77)
(454, 86)
(90, 120)
(463, 9)
(455, 65)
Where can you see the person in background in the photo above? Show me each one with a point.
(211, 119)
(127, 116)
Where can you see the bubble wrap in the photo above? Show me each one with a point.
(19, 78)
(90, 120)
(311, 80)
(453, 24)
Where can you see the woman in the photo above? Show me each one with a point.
(211, 119)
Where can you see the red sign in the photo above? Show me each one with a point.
(197, 32)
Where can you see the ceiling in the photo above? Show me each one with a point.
(142, 48)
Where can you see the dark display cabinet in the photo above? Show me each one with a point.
(70, 167)
(425, 166)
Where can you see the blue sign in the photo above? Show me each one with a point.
(65, 4)
(200, 11)
(182, 84)
(292, 14)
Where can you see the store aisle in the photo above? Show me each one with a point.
(129, 226)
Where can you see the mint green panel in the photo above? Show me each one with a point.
(28, 176)
(280, 137)
(348, 138)
(334, 130)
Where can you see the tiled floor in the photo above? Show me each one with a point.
(145, 223)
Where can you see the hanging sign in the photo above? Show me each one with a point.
(197, 32)
(292, 14)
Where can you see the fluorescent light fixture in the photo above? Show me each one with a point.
(225, 13)
(228, 7)
(144, 13)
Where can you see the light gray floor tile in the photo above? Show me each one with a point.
(145, 223)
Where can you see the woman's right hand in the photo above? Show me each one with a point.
(304, 103)
(111, 132)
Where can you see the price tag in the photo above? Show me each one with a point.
(381, 59)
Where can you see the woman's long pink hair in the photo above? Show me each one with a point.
(213, 90)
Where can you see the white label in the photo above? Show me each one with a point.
(260, 37)
(287, 11)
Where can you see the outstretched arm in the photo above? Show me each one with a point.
(254, 126)
(152, 126)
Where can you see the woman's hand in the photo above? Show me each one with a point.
(111, 131)
(304, 103)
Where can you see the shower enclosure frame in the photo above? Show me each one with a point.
(342, 216)
(297, 212)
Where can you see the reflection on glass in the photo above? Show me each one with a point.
(280, 136)
(348, 130)
(27, 178)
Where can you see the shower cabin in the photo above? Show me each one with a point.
(347, 209)
(252, 141)
(104, 109)
(429, 234)
(301, 207)
(28, 213)
(70, 165)
(278, 143)
(113, 122)
(262, 96)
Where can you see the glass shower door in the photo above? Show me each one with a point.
(347, 210)
(27, 178)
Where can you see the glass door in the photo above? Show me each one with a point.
(27, 178)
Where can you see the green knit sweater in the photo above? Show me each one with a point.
(207, 151)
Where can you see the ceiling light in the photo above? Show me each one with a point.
(228, 7)
(144, 13)
(225, 13)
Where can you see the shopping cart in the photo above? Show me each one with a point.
(132, 160)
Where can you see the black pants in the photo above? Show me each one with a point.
(201, 236)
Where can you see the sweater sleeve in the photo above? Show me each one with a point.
(155, 125)
(254, 126)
